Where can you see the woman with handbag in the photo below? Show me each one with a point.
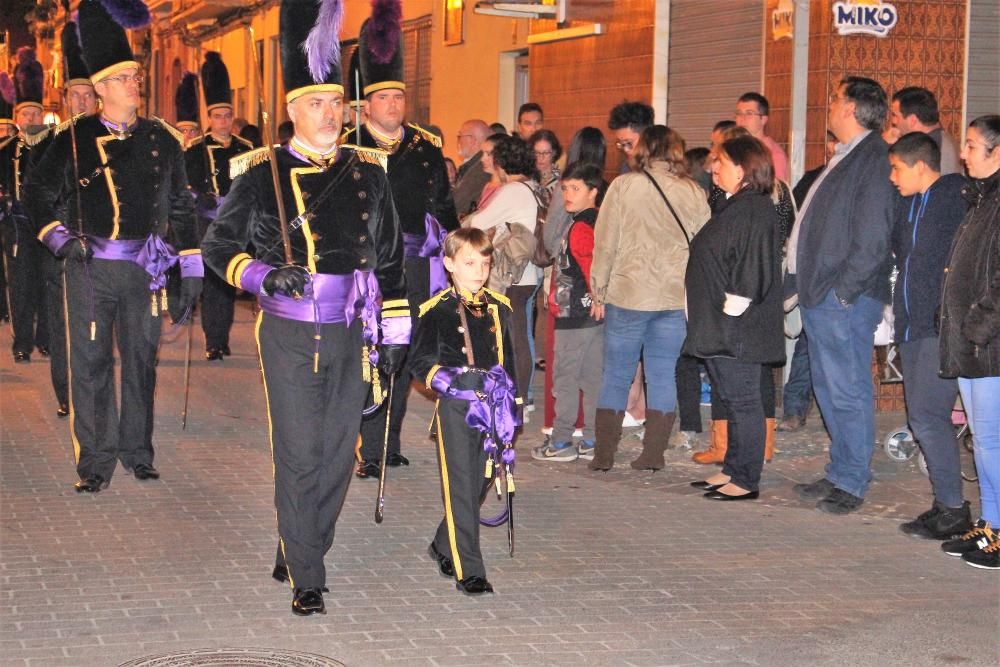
(641, 247)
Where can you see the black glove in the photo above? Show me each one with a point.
(77, 250)
(289, 280)
(190, 291)
(391, 357)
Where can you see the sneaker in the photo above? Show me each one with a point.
(683, 440)
(561, 451)
(980, 537)
(631, 422)
(940, 522)
(987, 558)
(586, 450)
(817, 490)
(578, 433)
(839, 502)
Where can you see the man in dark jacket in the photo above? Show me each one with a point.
(926, 219)
(838, 253)
(471, 177)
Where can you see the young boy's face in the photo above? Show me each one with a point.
(577, 196)
(469, 269)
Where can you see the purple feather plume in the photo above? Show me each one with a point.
(128, 13)
(7, 90)
(384, 29)
(322, 46)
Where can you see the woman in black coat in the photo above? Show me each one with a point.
(970, 332)
(735, 320)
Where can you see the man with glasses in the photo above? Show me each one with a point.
(471, 176)
(627, 121)
(752, 111)
(116, 207)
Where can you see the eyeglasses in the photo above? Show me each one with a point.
(137, 79)
(747, 114)
(624, 145)
(544, 153)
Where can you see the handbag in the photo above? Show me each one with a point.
(511, 255)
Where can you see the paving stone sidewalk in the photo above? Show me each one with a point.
(622, 568)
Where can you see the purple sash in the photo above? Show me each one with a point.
(331, 299)
(153, 254)
(492, 410)
(429, 245)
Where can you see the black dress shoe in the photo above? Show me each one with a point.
(62, 410)
(445, 566)
(308, 601)
(144, 471)
(226, 351)
(91, 484)
(718, 495)
(474, 586)
(43, 350)
(396, 460)
(368, 469)
(214, 354)
(280, 573)
(702, 484)
(22, 357)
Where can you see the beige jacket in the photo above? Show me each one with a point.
(640, 254)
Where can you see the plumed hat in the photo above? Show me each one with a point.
(29, 80)
(215, 82)
(186, 101)
(310, 46)
(8, 95)
(380, 45)
(106, 49)
(75, 69)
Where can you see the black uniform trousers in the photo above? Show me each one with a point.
(218, 303)
(115, 296)
(314, 419)
(52, 270)
(27, 295)
(417, 271)
(464, 484)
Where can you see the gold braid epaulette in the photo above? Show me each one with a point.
(63, 126)
(433, 301)
(244, 162)
(370, 155)
(499, 297)
(196, 141)
(173, 131)
(428, 135)
(32, 140)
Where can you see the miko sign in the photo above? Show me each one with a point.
(871, 17)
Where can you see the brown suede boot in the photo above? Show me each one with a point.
(716, 452)
(658, 427)
(607, 433)
(769, 425)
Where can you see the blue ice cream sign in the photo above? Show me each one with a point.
(871, 18)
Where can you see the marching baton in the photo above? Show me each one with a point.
(380, 502)
(187, 370)
(510, 507)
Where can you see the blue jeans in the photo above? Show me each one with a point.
(657, 335)
(798, 389)
(841, 340)
(979, 396)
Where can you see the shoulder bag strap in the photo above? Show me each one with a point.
(667, 202)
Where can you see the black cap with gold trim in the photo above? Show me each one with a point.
(310, 46)
(106, 50)
(215, 82)
(75, 70)
(186, 102)
(380, 45)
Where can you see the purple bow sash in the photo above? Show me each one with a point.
(331, 299)
(431, 246)
(492, 409)
(153, 254)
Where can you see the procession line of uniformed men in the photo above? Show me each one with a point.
(119, 203)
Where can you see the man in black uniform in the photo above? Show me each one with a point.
(207, 161)
(80, 100)
(186, 109)
(422, 194)
(318, 330)
(130, 183)
(23, 254)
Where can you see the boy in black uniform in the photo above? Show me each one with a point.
(463, 344)
(133, 196)
(207, 161)
(421, 193)
(318, 328)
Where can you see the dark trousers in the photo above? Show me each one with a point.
(27, 292)
(524, 363)
(464, 486)
(737, 385)
(111, 299)
(314, 419)
(218, 299)
(417, 270)
(929, 402)
(52, 269)
(798, 389)
(688, 378)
